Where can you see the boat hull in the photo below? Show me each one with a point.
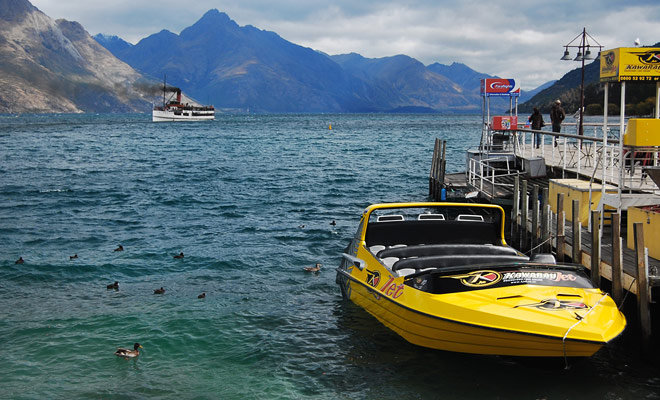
(451, 283)
(435, 332)
(182, 116)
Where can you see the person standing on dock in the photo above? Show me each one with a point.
(557, 115)
(537, 123)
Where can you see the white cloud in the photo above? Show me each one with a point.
(500, 37)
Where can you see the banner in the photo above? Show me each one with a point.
(636, 64)
(500, 87)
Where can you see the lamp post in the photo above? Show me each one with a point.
(583, 45)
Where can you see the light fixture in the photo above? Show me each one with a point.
(588, 55)
(582, 43)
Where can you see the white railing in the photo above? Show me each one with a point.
(590, 155)
(482, 174)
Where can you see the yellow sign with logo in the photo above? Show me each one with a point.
(637, 64)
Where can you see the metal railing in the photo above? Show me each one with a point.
(482, 174)
(594, 157)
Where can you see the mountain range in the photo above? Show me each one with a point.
(56, 66)
(234, 67)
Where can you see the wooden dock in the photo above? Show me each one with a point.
(532, 227)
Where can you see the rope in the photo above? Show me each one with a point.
(580, 319)
(541, 244)
(626, 295)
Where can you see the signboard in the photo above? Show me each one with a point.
(500, 87)
(505, 123)
(636, 64)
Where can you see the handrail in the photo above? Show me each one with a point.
(570, 135)
(480, 172)
(598, 156)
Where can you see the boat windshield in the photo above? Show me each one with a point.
(448, 224)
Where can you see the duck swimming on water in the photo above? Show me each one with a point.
(126, 353)
(180, 255)
(19, 261)
(159, 291)
(315, 268)
(202, 296)
(114, 286)
(119, 248)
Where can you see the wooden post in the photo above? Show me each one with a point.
(515, 209)
(642, 288)
(524, 204)
(617, 259)
(432, 173)
(535, 218)
(595, 247)
(561, 228)
(436, 170)
(442, 168)
(545, 222)
(577, 238)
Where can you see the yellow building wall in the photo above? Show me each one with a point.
(642, 132)
(576, 189)
(651, 221)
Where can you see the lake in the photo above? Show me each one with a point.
(249, 200)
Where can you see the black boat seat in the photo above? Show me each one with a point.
(455, 260)
(426, 250)
(432, 232)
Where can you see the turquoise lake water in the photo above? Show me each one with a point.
(249, 200)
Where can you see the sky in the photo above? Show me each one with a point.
(516, 39)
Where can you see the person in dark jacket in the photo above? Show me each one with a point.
(537, 123)
(557, 115)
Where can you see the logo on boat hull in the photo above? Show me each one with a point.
(478, 278)
(373, 278)
(555, 304)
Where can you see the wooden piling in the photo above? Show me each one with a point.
(524, 207)
(438, 183)
(515, 210)
(577, 238)
(617, 259)
(642, 288)
(432, 176)
(595, 247)
(561, 228)
(545, 222)
(443, 163)
(535, 218)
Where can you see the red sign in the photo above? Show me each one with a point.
(505, 123)
(500, 87)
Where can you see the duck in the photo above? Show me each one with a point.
(19, 261)
(180, 255)
(73, 257)
(333, 223)
(202, 296)
(126, 353)
(315, 268)
(114, 286)
(159, 291)
(119, 248)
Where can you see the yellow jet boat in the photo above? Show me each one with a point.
(442, 276)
